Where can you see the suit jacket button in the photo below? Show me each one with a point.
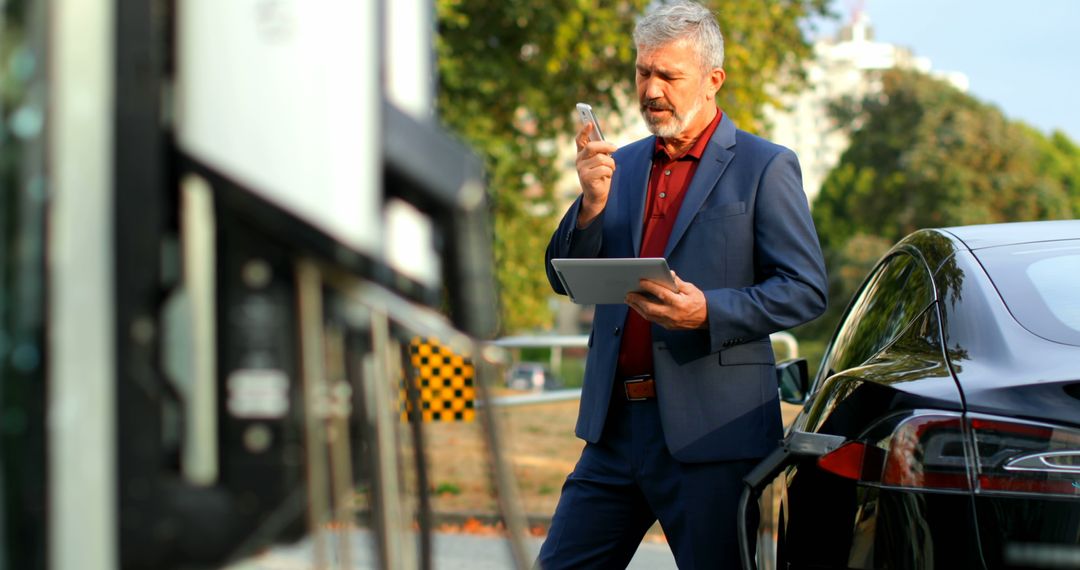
(617, 331)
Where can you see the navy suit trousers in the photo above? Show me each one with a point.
(626, 481)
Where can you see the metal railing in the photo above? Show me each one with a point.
(558, 342)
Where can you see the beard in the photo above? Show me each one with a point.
(673, 125)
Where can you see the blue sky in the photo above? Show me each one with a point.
(1023, 57)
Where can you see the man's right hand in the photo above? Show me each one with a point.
(594, 168)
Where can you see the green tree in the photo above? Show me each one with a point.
(510, 73)
(1059, 159)
(928, 155)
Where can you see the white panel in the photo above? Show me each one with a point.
(409, 56)
(81, 396)
(283, 96)
(409, 239)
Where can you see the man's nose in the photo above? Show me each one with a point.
(651, 89)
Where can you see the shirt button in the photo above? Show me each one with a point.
(663, 194)
(667, 172)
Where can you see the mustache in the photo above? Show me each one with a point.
(656, 105)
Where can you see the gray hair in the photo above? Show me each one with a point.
(680, 19)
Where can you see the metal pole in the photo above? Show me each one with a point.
(505, 483)
(81, 405)
(200, 449)
(309, 291)
(380, 382)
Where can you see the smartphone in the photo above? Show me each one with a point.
(584, 111)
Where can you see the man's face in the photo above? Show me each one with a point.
(673, 89)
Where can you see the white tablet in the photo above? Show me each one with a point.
(606, 281)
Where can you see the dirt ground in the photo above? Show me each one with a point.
(540, 442)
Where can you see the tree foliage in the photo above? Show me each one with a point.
(510, 73)
(927, 155)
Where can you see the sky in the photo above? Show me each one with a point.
(1023, 56)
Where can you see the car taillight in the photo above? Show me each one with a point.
(845, 461)
(927, 451)
(1025, 457)
(948, 451)
(924, 451)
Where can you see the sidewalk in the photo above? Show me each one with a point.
(452, 552)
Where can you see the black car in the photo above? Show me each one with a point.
(954, 381)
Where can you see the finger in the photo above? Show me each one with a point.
(664, 292)
(600, 174)
(680, 285)
(593, 172)
(650, 308)
(596, 148)
(589, 174)
(649, 311)
(660, 291)
(583, 152)
(645, 303)
(604, 160)
(583, 136)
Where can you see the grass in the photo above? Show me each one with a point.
(445, 488)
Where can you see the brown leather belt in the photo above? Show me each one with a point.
(638, 389)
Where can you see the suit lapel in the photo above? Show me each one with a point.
(714, 161)
(634, 184)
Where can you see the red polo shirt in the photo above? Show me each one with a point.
(668, 181)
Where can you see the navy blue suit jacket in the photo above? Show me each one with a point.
(744, 236)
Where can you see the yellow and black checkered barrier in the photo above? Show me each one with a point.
(445, 382)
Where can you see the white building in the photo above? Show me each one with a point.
(846, 66)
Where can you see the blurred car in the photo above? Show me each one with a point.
(531, 376)
(954, 379)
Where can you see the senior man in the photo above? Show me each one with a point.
(680, 397)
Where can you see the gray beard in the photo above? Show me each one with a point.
(674, 126)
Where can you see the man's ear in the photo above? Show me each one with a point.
(716, 79)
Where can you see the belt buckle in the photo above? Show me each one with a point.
(634, 380)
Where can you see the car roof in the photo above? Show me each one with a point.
(994, 235)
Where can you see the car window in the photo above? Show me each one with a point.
(1038, 284)
(896, 293)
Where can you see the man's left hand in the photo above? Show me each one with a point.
(682, 309)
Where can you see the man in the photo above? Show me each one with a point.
(680, 395)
